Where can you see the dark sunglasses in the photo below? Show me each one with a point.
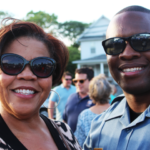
(13, 64)
(81, 81)
(68, 79)
(139, 42)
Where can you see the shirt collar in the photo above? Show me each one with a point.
(119, 110)
(64, 87)
(122, 109)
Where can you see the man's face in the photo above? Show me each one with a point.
(122, 66)
(83, 87)
(67, 80)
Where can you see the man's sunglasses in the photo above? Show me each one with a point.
(115, 46)
(68, 79)
(81, 81)
(13, 64)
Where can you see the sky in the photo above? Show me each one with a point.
(86, 11)
(79, 10)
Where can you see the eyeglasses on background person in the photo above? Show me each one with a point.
(139, 42)
(13, 64)
(68, 79)
(81, 81)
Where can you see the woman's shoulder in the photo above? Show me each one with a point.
(86, 112)
(67, 134)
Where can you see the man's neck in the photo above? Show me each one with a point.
(138, 103)
(67, 87)
(82, 95)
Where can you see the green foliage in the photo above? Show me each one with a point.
(4, 15)
(74, 54)
(42, 19)
(72, 29)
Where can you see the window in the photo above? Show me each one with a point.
(106, 69)
(93, 50)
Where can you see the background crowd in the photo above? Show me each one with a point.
(79, 104)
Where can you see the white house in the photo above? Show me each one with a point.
(92, 53)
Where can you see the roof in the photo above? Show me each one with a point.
(96, 30)
(96, 59)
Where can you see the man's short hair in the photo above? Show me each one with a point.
(86, 70)
(66, 73)
(134, 8)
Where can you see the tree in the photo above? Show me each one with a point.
(4, 15)
(72, 29)
(42, 19)
(74, 54)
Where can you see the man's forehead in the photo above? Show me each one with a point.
(80, 75)
(68, 76)
(128, 23)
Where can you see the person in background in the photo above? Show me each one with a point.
(125, 125)
(31, 62)
(80, 100)
(64, 90)
(99, 92)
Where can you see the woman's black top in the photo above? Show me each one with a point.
(8, 141)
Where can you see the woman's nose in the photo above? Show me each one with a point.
(27, 74)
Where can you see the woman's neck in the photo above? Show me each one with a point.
(21, 124)
(99, 108)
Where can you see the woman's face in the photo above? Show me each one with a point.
(24, 105)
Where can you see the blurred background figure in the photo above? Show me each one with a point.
(79, 101)
(64, 90)
(99, 92)
(113, 93)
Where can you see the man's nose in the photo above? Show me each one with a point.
(129, 53)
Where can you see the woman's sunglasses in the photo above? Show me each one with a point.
(115, 46)
(81, 81)
(13, 64)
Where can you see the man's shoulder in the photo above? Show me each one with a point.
(72, 86)
(73, 95)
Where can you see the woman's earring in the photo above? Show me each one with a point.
(57, 103)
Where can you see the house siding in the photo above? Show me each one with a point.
(86, 49)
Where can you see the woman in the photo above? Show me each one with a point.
(31, 62)
(99, 92)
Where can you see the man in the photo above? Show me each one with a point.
(64, 90)
(79, 101)
(126, 124)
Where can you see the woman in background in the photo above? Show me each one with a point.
(31, 62)
(99, 92)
